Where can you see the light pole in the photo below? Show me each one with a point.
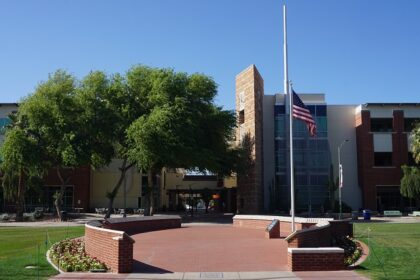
(340, 174)
(125, 198)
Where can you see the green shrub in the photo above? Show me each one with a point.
(352, 249)
(70, 255)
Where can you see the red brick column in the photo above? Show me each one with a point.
(114, 248)
(315, 259)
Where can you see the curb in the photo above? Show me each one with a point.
(364, 256)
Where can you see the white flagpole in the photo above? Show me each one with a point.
(288, 94)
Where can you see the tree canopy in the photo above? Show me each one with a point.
(416, 143)
(410, 182)
(148, 118)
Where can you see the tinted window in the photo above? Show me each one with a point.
(381, 125)
(410, 123)
(383, 159)
(279, 110)
(321, 110)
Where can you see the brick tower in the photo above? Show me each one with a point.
(249, 109)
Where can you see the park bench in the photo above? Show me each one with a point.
(414, 214)
(101, 210)
(392, 213)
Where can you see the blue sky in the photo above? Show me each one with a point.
(353, 51)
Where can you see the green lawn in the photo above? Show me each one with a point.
(394, 250)
(19, 247)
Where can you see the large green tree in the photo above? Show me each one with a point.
(416, 143)
(126, 100)
(181, 127)
(52, 116)
(21, 161)
(410, 182)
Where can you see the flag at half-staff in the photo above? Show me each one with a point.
(301, 112)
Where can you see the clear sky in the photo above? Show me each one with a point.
(354, 51)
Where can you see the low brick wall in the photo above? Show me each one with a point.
(341, 228)
(114, 248)
(315, 259)
(253, 224)
(261, 222)
(310, 237)
(110, 242)
(133, 225)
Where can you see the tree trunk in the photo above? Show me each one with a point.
(150, 185)
(59, 196)
(111, 195)
(20, 198)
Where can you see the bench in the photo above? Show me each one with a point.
(392, 213)
(101, 210)
(415, 214)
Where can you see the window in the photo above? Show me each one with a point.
(281, 159)
(299, 158)
(241, 117)
(321, 110)
(3, 123)
(301, 180)
(410, 123)
(279, 123)
(381, 125)
(67, 198)
(383, 159)
(279, 110)
(280, 144)
(299, 144)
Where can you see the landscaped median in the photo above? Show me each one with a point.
(69, 255)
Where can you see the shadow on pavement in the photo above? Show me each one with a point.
(140, 267)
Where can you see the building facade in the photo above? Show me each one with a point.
(374, 140)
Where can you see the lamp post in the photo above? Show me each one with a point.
(340, 174)
(125, 198)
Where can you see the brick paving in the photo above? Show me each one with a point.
(208, 249)
(211, 252)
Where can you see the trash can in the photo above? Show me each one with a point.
(63, 216)
(354, 215)
(366, 214)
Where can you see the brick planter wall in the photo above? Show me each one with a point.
(133, 225)
(310, 237)
(315, 259)
(341, 228)
(254, 224)
(261, 222)
(114, 248)
(110, 243)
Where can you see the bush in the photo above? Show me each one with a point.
(38, 214)
(69, 255)
(352, 249)
(4, 217)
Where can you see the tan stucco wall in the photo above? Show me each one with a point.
(104, 179)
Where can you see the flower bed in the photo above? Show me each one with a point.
(69, 255)
(352, 249)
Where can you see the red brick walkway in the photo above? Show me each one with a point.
(208, 249)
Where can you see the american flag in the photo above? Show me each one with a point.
(301, 112)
